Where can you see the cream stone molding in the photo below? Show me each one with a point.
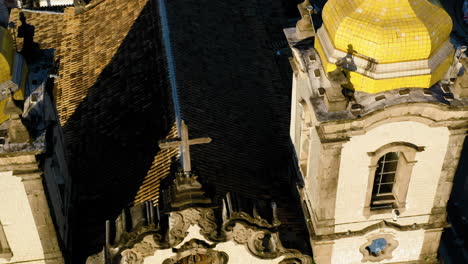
(372, 68)
(182, 220)
(5, 251)
(136, 255)
(259, 241)
(253, 240)
(404, 170)
(135, 252)
(395, 146)
(194, 251)
(392, 244)
(431, 114)
(256, 240)
(449, 167)
(380, 225)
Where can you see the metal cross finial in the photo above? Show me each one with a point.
(184, 142)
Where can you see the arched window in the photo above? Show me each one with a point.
(384, 181)
(389, 176)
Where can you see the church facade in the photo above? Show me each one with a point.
(379, 117)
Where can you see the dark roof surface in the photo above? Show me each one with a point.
(114, 104)
(232, 90)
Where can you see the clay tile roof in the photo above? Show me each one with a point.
(114, 105)
(160, 168)
(48, 28)
(91, 40)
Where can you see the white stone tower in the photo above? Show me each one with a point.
(379, 116)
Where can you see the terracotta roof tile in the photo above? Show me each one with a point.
(91, 40)
(48, 28)
(114, 105)
(160, 169)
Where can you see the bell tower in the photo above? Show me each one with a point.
(378, 119)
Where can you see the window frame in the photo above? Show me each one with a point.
(406, 161)
(380, 182)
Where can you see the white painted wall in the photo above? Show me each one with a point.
(294, 113)
(18, 222)
(310, 180)
(354, 172)
(55, 2)
(346, 250)
(238, 254)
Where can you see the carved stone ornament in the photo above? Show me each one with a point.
(235, 216)
(130, 257)
(296, 258)
(266, 245)
(182, 220)
(197, 251)
(136, 255)
(260, 243)
(385, 252)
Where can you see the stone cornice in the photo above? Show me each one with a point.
(380, 225)
(431, 114)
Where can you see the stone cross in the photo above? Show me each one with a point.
(184, 142)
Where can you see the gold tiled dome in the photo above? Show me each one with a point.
(388, 35)
(387, 30)
(6, 55)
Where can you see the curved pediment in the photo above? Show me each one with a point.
(242, 244)
(194, 236)
(240, 230)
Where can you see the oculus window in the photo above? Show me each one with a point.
(378, 247)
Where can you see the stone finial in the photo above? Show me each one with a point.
(17, 132)
(304, 27)
(461, 83)
(303, 7)
(187, 191)
(334, 98)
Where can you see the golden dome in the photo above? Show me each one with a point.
(394, 43)
(7, 52)
(387, 30)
